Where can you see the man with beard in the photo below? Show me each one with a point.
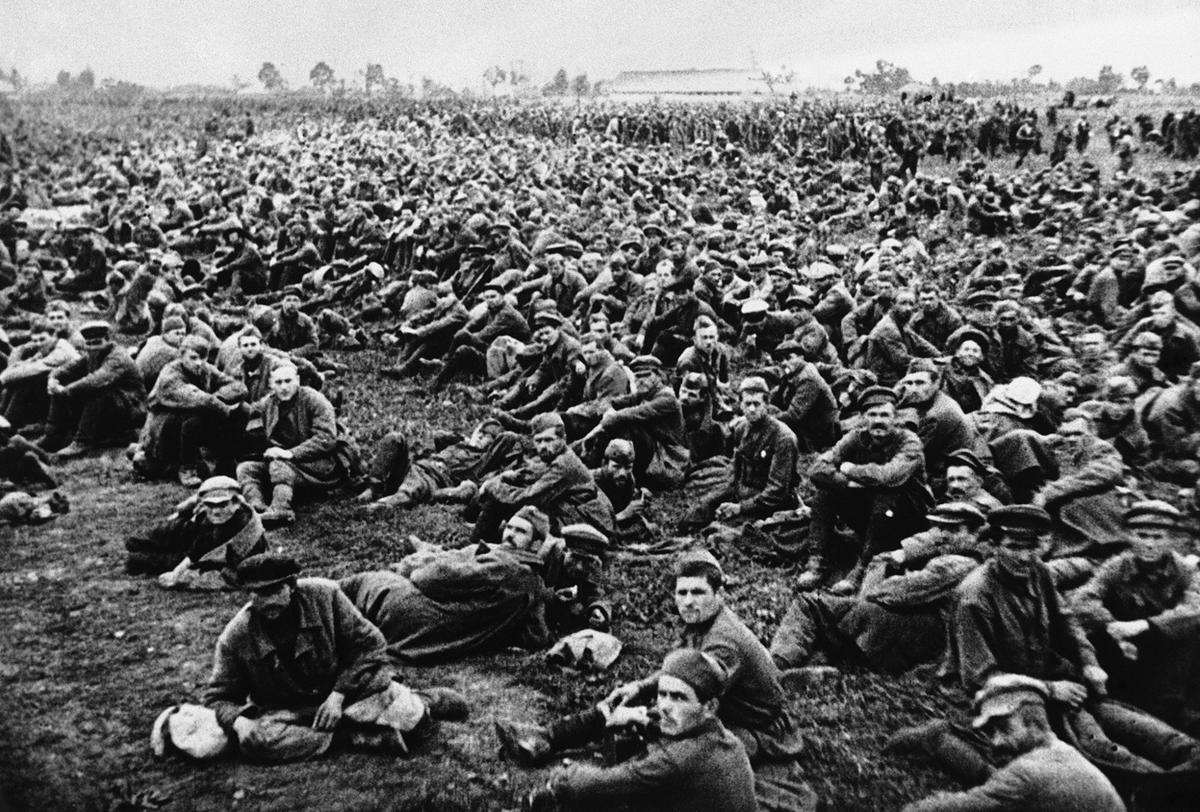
(313, 669)
(752, 703)
(874, 480)
(941, 424)
(1044, 774)
(193, 417)
(964, 378)
(1141, 610)
(695, 763)
(304, 448)
(1143, 352)
(98, 399)
(557, 483)
(892, 343)
(615, 479)
(764, 475)
(468, 348)
(805, 402)
(201, 544)
(650, 418)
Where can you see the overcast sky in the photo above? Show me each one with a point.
(166, 42)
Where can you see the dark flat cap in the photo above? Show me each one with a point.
(547, 318)
(967, 459)
(952, 513)
(1023, 521)
(875, 395)
(266, 570)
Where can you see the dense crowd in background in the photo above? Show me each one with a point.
(940, 358)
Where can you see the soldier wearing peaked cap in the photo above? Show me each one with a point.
(1141, 610)
(873, 479)
(1044, 774)
(97, 400)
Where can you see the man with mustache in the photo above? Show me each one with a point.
(1045, 773)
(874, 480)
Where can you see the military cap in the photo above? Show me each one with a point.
(630, 240)
(218, 489)
(173, 323)
(1148, 339)
(982, 298)
(821, 270)
(547, 318)
(801, 297)
(493, 285)
(266, 570)
(619, 450)
(474, 249)
(585, 539)
(191, 291)
(653, 228)
(788, 347)
(1020, 521)
(921, 365)
(693, 382)
(693, 557)
(1003, 694)
(645, 363)
(567, 248)
(1154, 513)
(761, 260)
(375, 270)
(754, 307)
(546, 421)
(876, 395)
(953, 513)
(501, 224)
(96, 331)
(423, 277)
(697, 669)
(1120, 386)
(539, 523)
(966, 458)
(293, 290)
(836, 251)
(754, 383)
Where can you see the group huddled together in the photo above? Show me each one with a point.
(957, 400)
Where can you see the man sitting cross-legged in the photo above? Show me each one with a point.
(314, 671)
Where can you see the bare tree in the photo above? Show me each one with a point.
(773, 79)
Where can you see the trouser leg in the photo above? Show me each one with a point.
(283, 476)
(281, 736)
(576, 730)
(252, 476)
(1145, 735)
(390, 465)
(811, 623)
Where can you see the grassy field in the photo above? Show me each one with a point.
(89, 656)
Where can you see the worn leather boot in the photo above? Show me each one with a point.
(280, 511)
(528, 745)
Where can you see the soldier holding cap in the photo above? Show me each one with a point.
(695, 764)
(1045, 773)
(99, 399)
(873, 479)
